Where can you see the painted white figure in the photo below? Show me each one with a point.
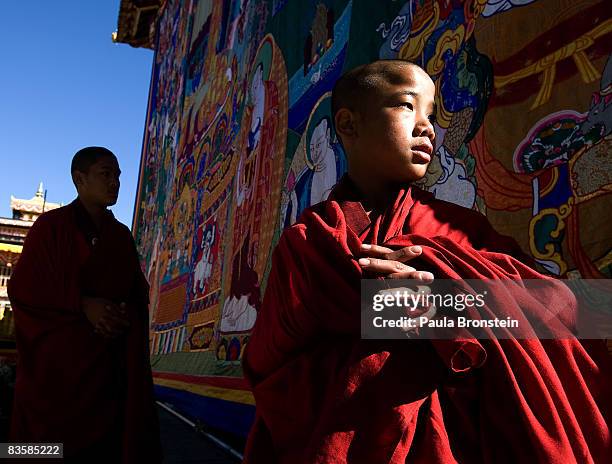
(237, 315)
(258, 98)
(245, 165)
(203, 269)
(324, 162)
(454, 185)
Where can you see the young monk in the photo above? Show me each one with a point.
(81, 320)
(324, 395)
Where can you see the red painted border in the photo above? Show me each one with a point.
(234, 383)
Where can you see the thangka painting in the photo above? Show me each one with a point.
(239, 141)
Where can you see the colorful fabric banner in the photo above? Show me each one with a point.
(239, 141)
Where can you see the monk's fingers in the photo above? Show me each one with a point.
(114, 324)
(403, 254)
(103, 329)
(117, 312)
(384, 266)
(123, 307)
(121, 319)
(111, 307)
(375, 251)
(112, 332)
(420, 276)
(98, 331)
(425, 311)
(120, 323)
(107, 325)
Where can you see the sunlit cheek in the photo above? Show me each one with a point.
(404, 125)
(401, 131)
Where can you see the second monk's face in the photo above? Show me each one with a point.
(395, 132)
(101, 183)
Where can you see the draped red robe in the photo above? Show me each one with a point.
(73, 386)
(323, 395)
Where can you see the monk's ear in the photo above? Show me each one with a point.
(345, 123)
(77, 178)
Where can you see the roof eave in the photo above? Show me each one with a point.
(136, 23)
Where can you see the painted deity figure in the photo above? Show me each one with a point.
(253, 176)
(256, 186)
(203, 269)
(246, 167)
(258, 97)
(324, 162)
(453, 185)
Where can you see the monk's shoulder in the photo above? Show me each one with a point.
(58, 215)
(325, 212)
(292, 234)
(318, 209)
(55, 219)
(53, 228)
(306, 232)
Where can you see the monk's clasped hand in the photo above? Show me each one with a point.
(115, 320)
(108, 319)
(391, 263)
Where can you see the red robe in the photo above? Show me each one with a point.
(323, 395)
(73, 386)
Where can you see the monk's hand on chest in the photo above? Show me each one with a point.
(107, 318)
(391, 264)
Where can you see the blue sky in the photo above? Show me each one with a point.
(64, 85)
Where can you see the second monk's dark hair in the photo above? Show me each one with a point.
(85, 157)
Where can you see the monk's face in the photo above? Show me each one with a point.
(100, 185)
(394, 132)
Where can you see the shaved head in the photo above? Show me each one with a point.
(357, 85)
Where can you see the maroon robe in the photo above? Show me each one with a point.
(74, 386)
(324, 395)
